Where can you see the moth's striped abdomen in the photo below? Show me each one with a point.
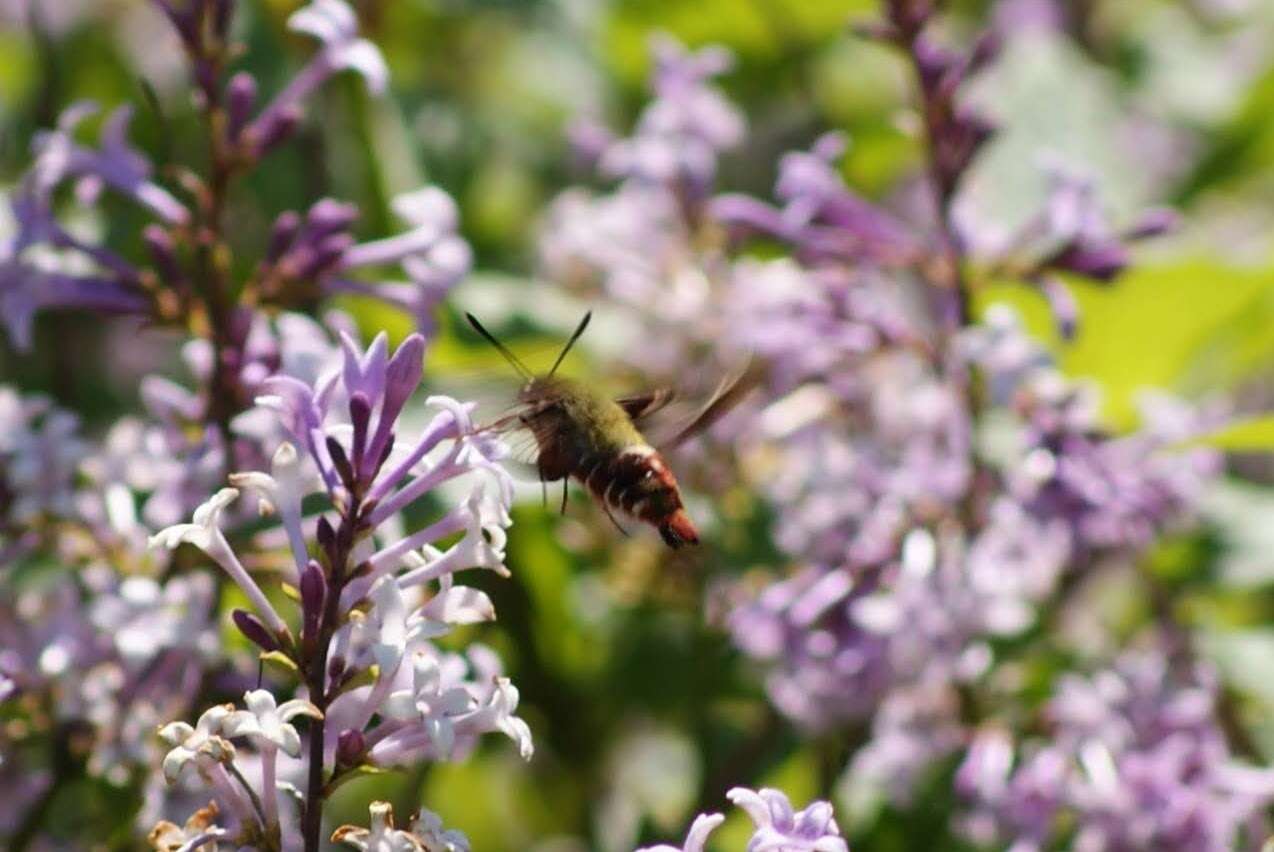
(637, 481)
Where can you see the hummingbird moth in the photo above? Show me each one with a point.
(584, 435)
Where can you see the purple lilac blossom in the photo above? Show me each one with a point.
(643, 243)
(342, 441)
(687, 125)
(867, 446)
(776, 826)
(334, 24)
(1135, 760)
(40, 448)
(134, 660)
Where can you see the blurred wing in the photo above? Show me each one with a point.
(643, 405)
(515, 426)
(728, 394)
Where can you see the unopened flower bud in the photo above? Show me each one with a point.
(163, 252)
(277, 131)
(241, 96)
(254, 630)
(324, 255)
(328, 216)
(985, 51)
(313, 597)
(1101, 260)
(350, 746)
(325, 534)
(282, 234)
(341, 461)
(1154, 223)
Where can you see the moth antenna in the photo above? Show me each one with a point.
(513, 360)
(574, 337)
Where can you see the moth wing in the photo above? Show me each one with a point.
(516, 424)
(641, 406)
(729, 392)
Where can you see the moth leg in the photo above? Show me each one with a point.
(565, 481)
(606, 509)
(544, 484)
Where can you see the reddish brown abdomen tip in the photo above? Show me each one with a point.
(678, 529)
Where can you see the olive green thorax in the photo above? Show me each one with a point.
(580, 417)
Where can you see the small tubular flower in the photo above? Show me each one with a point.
(204, 741)
(381, 836)
(432, 253)
(335, 25)
(429, 704)
(199, 830)
(497, 715)
(696, 839)
(778, 827)
(59, 157)
(268, 722)
(281, 491)
(205, 533)
(428, 828)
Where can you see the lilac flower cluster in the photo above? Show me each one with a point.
(641, 242)
(379, 691)
(776, 825)
(1135, 757)
(46, 266)
(124, 637)
(940, 485)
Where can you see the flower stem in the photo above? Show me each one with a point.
(316, 674)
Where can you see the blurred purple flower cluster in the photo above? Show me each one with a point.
(940, 487)
(1134, 757)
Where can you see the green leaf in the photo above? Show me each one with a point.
(1189, 327)
(280, 660)
(1255, 434)
(365, 770)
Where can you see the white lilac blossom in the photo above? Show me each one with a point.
(268, 725)
(364, 614)
(200, 744)
(200, 831)
(777, 826)
(423, 834)
(205, 533)
(1135, 760)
